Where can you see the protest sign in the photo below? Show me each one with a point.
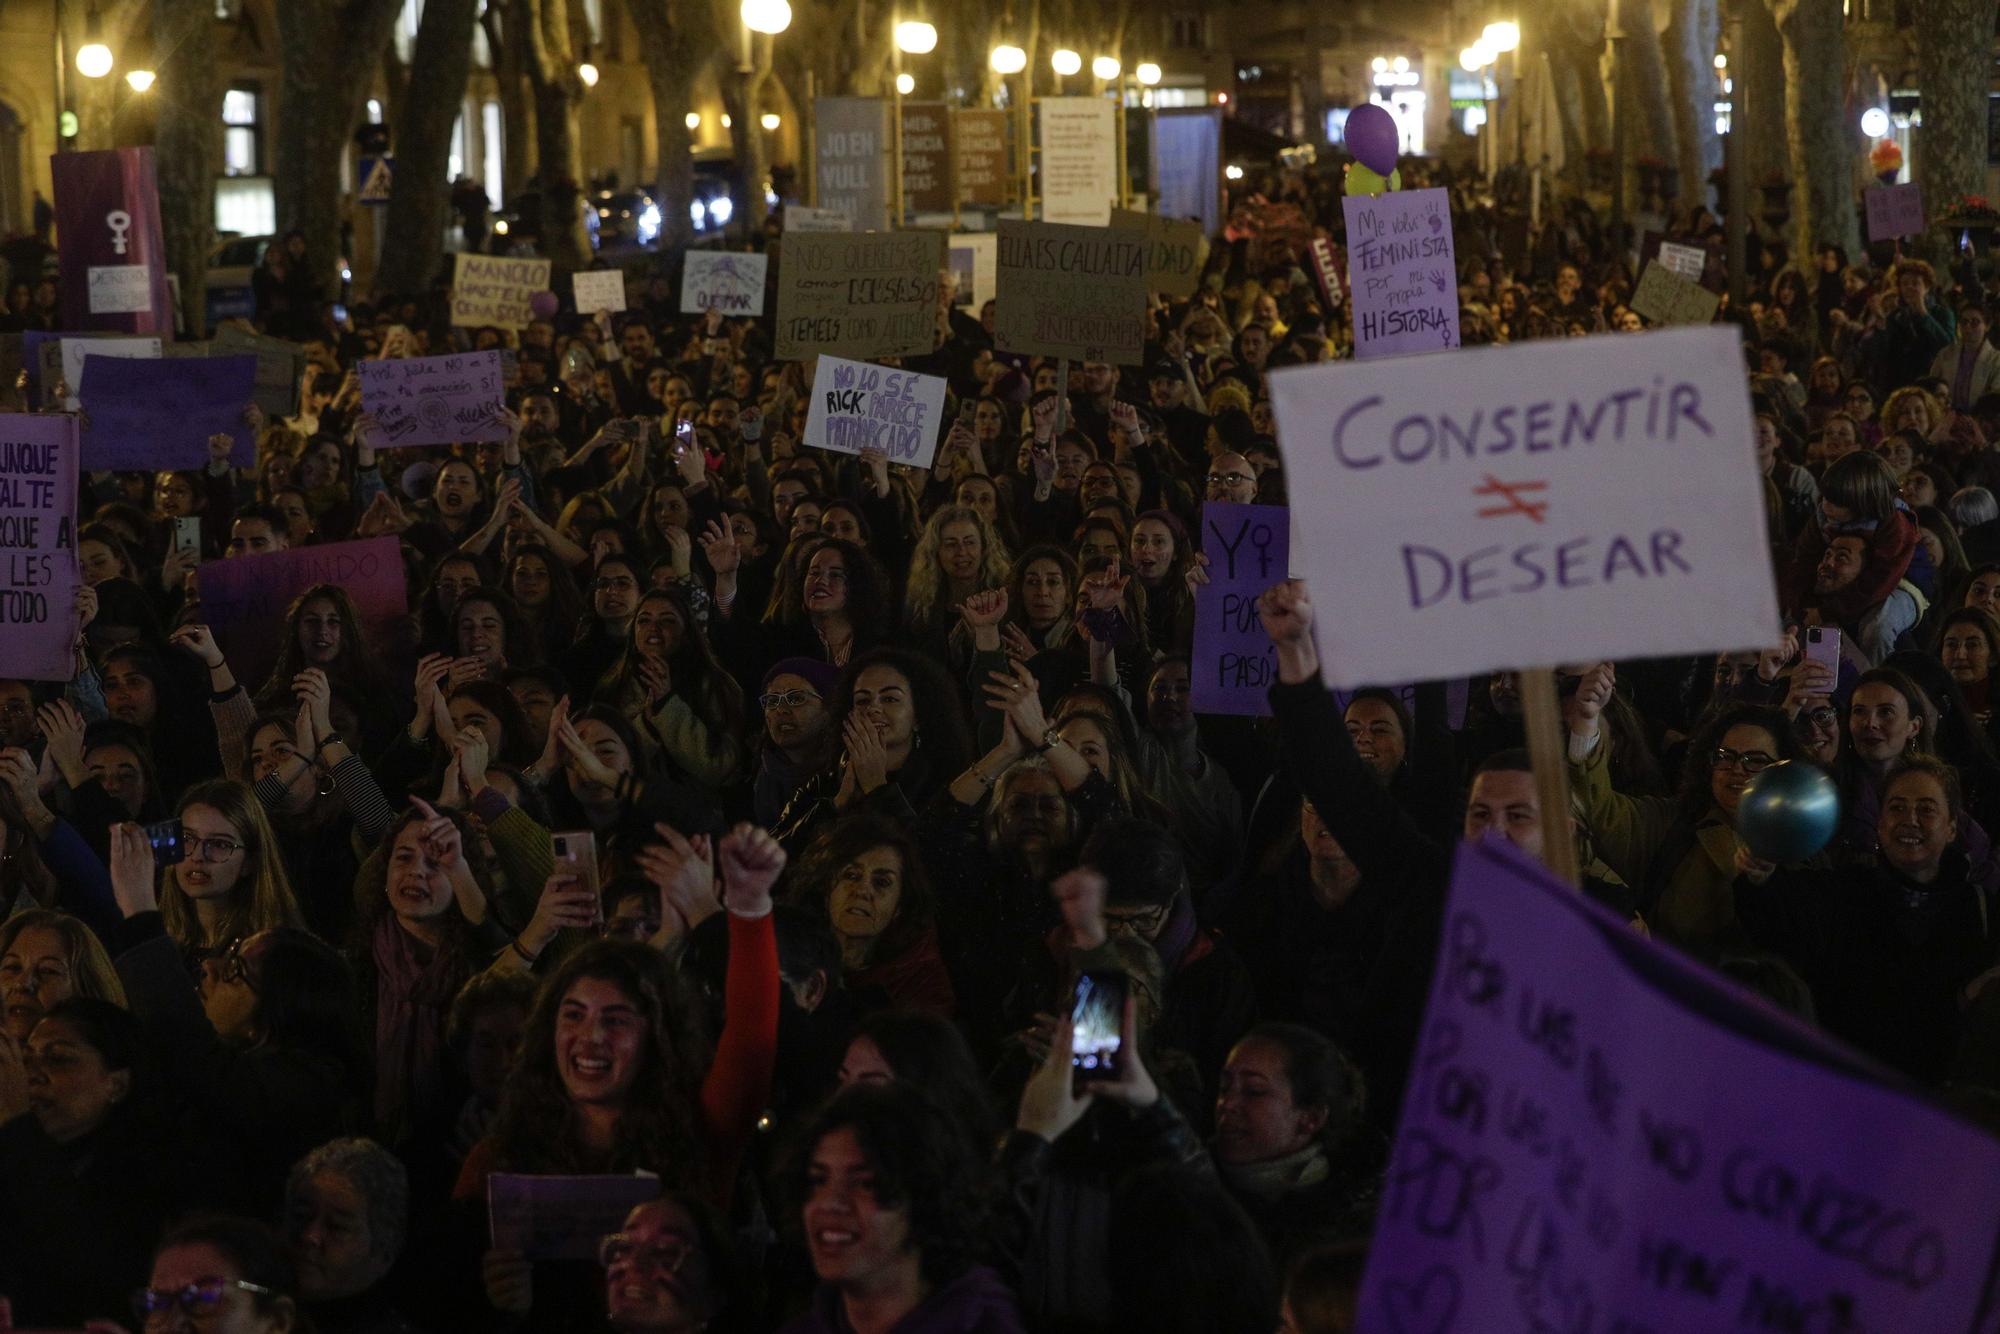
(1175, 250)
(69, 352)
(979, 144)
(280, 362)
(38, 572)
(488, 290)
(1079, 163)
(562, 1217)
(243, 599)
(1663, 297)
(971, 259)
(1601, 1135)
(598, 289)
(926, 157)
(1401, 272)
(154, 413)
(1187, 165)
(434, 400)
(724, 281)
(1685, 260)
(799, 218)
(1332, 285)
(109, 249)
(1894, 210)
(859, 295)
(1248, 547)
(1076, 292)
(1522, 506)
(851, 159)
(855, 405)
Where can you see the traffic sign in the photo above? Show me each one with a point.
(377, 175)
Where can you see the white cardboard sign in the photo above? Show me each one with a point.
(598, 289)
(726, 280)
(857, 403)
(1513, 507)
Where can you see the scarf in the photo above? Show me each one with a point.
(412, 1000)
(1267, 1181)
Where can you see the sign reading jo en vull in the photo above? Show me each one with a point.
(1248, 548)
(856, 405)
(1513, 507)
(488, 290)
(1402, 272)
(38, 572)
(926, 157)
(1076, 292)
(859, 295)
(1602, 1135)
(980, 146)
(851, 159)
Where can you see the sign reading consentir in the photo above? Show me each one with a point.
(1516, 507)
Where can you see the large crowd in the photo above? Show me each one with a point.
(744, 815)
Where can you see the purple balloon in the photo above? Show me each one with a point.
(544, 304)
(1371, 136)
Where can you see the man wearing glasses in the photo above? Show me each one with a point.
(1231, 478)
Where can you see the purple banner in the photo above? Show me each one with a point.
(1894, 211)
(561, 1217)
(38, 573)
(243, 599)
(1402, 276)
(150, 414)
(108, 246)
(1602, 1135)
(434, 400)
(1248, 548)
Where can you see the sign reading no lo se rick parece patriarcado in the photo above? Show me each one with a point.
(1514, 507)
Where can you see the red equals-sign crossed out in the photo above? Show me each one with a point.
(1512, 497)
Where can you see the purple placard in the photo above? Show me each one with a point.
(561, 1217)
(107, 226)
(1248, 549)
(38, 574)
(146, 413)
(243, 599)
(1601, 1135)
(435, 400)
(1894, 210)
(1402, 276)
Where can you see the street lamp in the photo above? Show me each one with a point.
(692, 120)
(916, 37)
(588, 73)
(766, 16)
(139, 80)
(1007, 60)
(93, 58)
(906, 84)
(1106, 68)
(1147, 73)
(770, 120)
(1501, 38)
(1065, 62)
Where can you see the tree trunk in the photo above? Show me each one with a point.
(1653, 118)
(1954, 44)
(1815, 113)
(743, 96)
(503, 40)
(186, 144)
(1691, 41)
(1757, 117)
(328, 50)
(551, 67)
(671, 62)
(421, 201)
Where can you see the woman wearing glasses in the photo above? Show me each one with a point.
(613, 588)
(1679, 851)
(230, 882)
(798, 739)
(220, 1275)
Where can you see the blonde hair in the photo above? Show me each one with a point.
(1933, 410)
(266, 903)
(926, 584)
(90, 968)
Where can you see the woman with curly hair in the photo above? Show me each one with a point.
(669, 683)
(895, 1220)
(611, 1076)
(958, 555)
(1041, 591)
(863, 877)
(1912, 409)
(843, 609)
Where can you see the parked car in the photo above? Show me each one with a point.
(519, 225)
(627, 217)
(227, 293)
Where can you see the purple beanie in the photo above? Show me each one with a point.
(822, 675)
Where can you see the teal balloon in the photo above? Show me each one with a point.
(1788, 812)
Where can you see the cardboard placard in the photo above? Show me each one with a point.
(1667, 298)
(799, 218)
(435, 400)
(1521, 506)
(38, 569)
(159, 412)
(1175, 251)
(1075, 292)
(723, 280)
(280, 363)
(1894, 211)
(1684, 260)
(855, 405)
(859, 295)
(851, 159)
(979, 145)
(1078, 176)
(487, 290)
(598, 289)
